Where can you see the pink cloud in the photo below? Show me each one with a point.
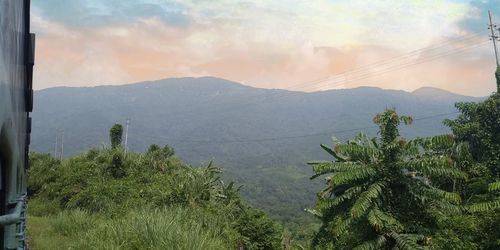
(150, 49)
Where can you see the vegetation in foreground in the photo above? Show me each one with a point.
(438, 192)
(106, 198)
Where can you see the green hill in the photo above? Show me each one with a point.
(235, 125)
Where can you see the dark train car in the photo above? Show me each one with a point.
(16, 101)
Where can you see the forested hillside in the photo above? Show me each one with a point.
(438, 192)
(388, 191)
(235, 125)
(205, 118)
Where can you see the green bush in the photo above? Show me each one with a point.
(109, 184)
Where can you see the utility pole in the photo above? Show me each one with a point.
(127, 123)
(62, 144)
(55, 147)
(494, 36)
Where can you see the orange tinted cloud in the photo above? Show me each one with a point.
(263, 53)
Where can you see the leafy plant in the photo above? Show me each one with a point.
(115, 135)
(487, 205)
(104, 183)
(381, 190)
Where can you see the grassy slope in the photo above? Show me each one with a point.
(41, 237)
(173, 228)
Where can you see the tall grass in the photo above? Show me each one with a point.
(169, 228)
(173, 228)
(72, 222)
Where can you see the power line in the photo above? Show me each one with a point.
(304, 135)
(407, 55)
(359, 77)
(283, 93)
(403, 66)
(416, 62)
(356, 78)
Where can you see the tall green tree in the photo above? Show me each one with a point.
(479, 125)
(380, 193)
(489, 205)
(115, 135)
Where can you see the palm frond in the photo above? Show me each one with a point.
(433, 141)
(380, 220)
(427, 193)
(347, 177)
(446, 207)
(435, 166)
(494, 186)
(321, 168)
(366, 198)
(325, 204)
(342, 227)
(407, 241)
(375, 244)
(357, 152)
(484, 206)
(338, 157)
(314, 212)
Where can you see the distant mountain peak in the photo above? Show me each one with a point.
(433, 91)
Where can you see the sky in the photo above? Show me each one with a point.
(304, 45)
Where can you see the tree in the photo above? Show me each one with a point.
(380, 192)
(488, 205)
(115, 135)
(479, 125)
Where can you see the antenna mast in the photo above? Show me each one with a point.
(55, 147)
(62, 144)
(127, 123)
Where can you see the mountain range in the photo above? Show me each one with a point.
(262, 137)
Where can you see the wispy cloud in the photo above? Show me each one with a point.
(476, 18)
(95, 13)
(261, 43)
